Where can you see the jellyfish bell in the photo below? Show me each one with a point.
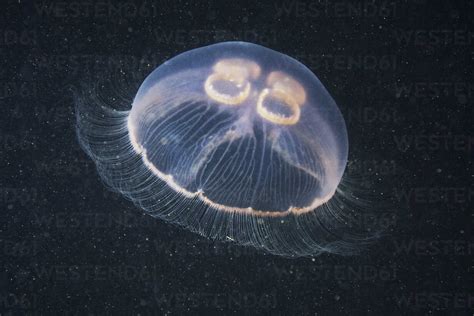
(209, 129)
(234, 141)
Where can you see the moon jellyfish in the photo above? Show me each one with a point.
(234, 141)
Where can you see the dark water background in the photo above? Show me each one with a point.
(401, 72)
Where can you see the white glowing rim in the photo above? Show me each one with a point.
(168, 179)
